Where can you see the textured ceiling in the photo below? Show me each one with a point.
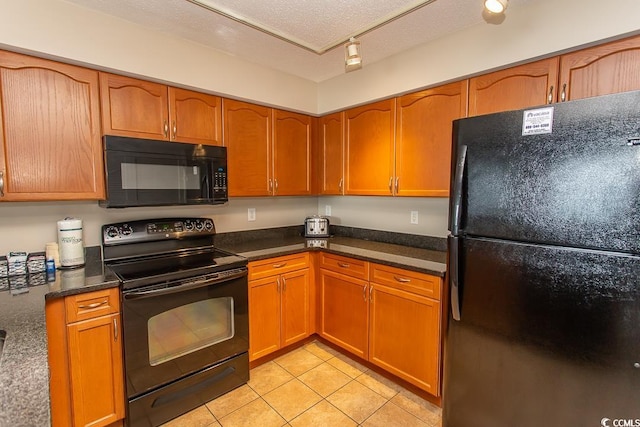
(313, 24)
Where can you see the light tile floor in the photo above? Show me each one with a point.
(314, 386)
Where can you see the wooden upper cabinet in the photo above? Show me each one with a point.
(132, 107)
(518, 87)
(423, 139)
(50, 147)
(195, 117)
(143, 109)
(331, 136)
(601, 70)
(247, 136)
(291, 153)
(369, 145)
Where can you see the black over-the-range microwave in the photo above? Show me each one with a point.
(142, 172)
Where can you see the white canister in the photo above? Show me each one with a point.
(70, 243)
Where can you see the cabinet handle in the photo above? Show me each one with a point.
(284, 285)
(166, 129)
(115, 329)
(563, 94)
(364, 292)
(276, 186)
(371, 293)
(402, 279)
(175, 129)
(340, 185)
(279, 265)
(397, 184)
(343, 265)
(93, 305)
(550, 97)
(278, 284)
(390, 185)
(1, 183)
(270, 186)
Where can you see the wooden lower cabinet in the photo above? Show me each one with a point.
(392, 319)
(404, 336)
(344, 308)
(279, 295)
(85, 359)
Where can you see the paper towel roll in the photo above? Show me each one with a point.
(70, 243)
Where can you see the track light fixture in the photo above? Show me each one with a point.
(496, 6)
(352, 58)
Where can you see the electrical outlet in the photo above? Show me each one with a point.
(251, 214)
(327, 210)
(414, 217)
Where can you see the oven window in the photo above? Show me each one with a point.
(141, 176)
(189, 328)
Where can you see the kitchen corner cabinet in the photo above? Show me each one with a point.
(423, 139)
(85, 359)
(331, 136)
(369, 145)
(514, 88)
(50, 147)
(143, 109)
(344, 303)
(279, 297)
(600, 70)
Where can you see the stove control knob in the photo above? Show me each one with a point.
(126, 230)
(188, 225)
(112, 232)
(199, 225)
(208, 224)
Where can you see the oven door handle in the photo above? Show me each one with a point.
(212, 279)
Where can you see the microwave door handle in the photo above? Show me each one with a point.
(213, 279)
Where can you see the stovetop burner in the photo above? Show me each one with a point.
(153, 251)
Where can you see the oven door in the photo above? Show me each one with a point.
(175, 329)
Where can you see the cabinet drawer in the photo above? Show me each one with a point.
(278, 265)
(419, 283)
(344, 265)
(92, 304)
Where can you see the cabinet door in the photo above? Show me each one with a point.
(195, 117)
(405, 336)
(423, 139)
(132, 107)
(247, 136)
(518, 87)
(291, 154)
(95, 364)
(264, 316)
(344, 311)
(601, 70)
(331, 135)
(295, 306)
(369, 134)
(50, 147)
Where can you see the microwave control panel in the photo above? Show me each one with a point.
(220, 180)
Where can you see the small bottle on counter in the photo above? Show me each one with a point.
(51, 269)
(51, 252)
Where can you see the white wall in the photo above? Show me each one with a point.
(389, 213)
(28, 226)
(67, 32)
(540, 28)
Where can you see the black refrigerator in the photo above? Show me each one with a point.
(544, 267)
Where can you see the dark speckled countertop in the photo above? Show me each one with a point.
(24, 371)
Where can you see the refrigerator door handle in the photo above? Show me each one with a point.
(456, 212)
(454, 277)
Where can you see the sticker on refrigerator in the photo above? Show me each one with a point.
(538, 121)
